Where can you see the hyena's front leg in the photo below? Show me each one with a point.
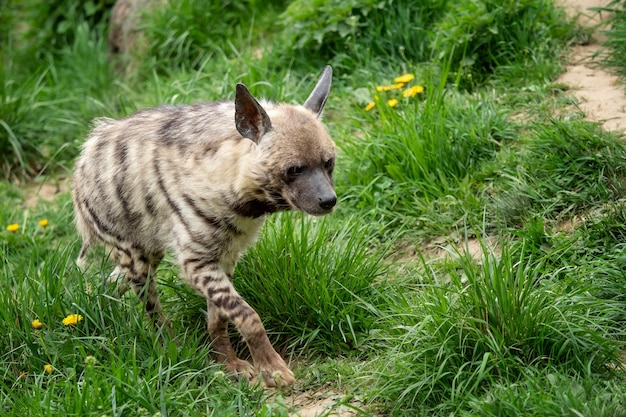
(226, 304)
(218, 331)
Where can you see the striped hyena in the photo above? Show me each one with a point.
(199, 181)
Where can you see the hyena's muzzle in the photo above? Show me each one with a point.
(312, 191)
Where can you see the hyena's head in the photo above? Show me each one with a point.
(295, 156)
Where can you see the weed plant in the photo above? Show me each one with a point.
(550, 393)
(361, 29)
(590, 253)
(184, 34)
(49, 26)
(482, 325)
(17, 102)
(409, 161)
(111, 360)
(475, 36)
(482, 36)
(44, 114)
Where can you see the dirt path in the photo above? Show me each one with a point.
(599, 93)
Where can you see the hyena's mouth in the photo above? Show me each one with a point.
(315, 206)
(320, 211)
(279, 202)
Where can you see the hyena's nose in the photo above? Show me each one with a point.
(328, 202)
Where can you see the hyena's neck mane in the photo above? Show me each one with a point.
(253, 196)
(255, 208)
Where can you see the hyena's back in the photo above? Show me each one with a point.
(135, 173)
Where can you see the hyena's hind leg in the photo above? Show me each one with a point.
(81, 261)
(117, 277)
(136, 270)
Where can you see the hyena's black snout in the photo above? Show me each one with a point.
(328, 202)
(314, 193)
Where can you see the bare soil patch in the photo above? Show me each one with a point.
(46, 191)
(322, 402)
(599, 93)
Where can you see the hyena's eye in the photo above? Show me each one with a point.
(294, 171)
(329, 164)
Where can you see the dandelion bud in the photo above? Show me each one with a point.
(90, 361)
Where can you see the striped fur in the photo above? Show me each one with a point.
(198, 181)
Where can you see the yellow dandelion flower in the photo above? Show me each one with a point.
(389, 87)
(48, 368)
(410, 92)
(370, 106)
(72, 319)
(405, 78)
(36, 324)
(392, 102)
(13, 227)
(43, 222)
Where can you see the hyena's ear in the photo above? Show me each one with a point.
(250, 118)
(318, 96)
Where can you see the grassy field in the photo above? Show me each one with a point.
(381, 303)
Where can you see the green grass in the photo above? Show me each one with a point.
(551, 393)
(361, 302)
(306, 275)
(44, 113)
(565, 169)
(409, 158)
(616, 33)
(460, 328)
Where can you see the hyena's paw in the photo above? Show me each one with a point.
(277, 374)
(81, 263)
(239, 368)
(117, 280)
